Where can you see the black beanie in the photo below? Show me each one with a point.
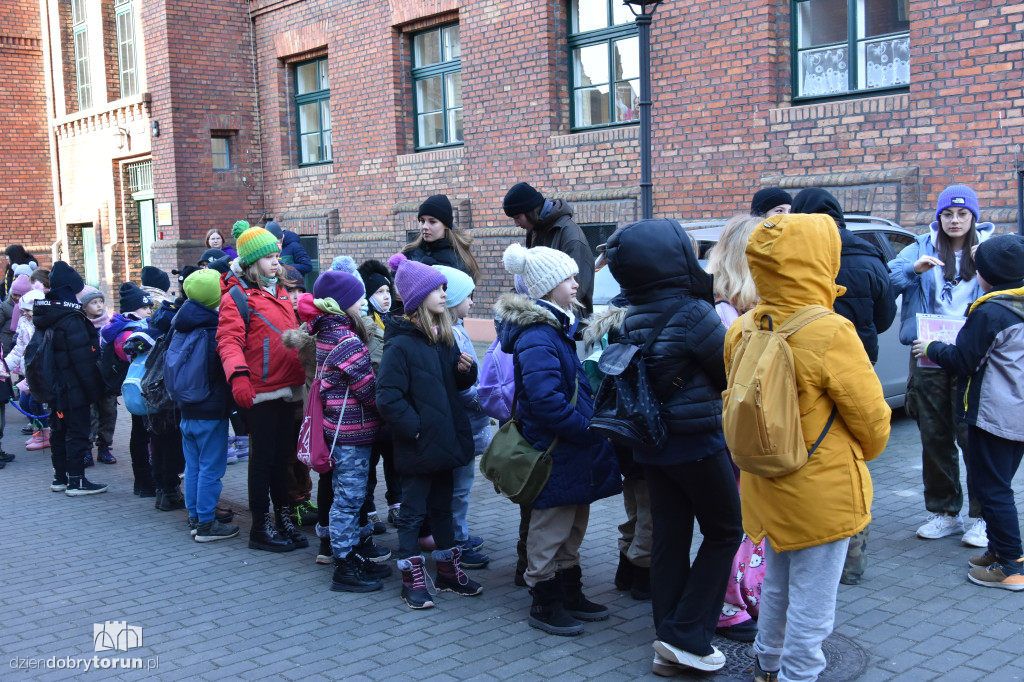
(818, 200)
(375, 275)
(1000, 260)
(65, 282)
(438, 207)
(156, 278)
(768, 198)
(211, 254)
(274, 228)
(132, 298)
(186, 271)
(522, 198)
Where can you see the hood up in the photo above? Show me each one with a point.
(794, 260)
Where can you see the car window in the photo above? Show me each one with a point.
(871, 237)
(898, 241)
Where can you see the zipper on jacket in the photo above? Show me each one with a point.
(266, 358)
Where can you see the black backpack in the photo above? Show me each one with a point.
(113, 369)
(40, 366)
(626, 411)
(154, 389)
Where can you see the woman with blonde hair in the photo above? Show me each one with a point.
(439, 243)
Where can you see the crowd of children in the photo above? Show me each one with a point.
(242, 344)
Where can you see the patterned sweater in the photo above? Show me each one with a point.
(348, 367)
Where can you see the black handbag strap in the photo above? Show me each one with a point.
(658, 326)
(828, 425)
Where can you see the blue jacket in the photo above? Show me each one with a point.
(919, 290)
(195, 318)
(293, 254)
(547, 373)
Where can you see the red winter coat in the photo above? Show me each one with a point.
(271, 366)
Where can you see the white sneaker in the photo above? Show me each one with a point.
(941, 525)
(664, 667)
(713, 661)
(976, 535)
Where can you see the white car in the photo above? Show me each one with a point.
(893, 364)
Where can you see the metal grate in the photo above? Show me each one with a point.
(140, 176)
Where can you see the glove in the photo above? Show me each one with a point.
(242, 390)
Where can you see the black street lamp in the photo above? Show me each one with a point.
(643, 10)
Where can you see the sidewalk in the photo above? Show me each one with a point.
(222, 611)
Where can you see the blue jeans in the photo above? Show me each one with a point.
(798, 608)
(351, 468)
(462, 482)
(34, 407)
(205, 444)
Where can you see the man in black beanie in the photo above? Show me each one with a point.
(549, 223)
(71, 357)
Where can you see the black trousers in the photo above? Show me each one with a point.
(165, 449)
(138, 446)
(383, 449)
(271, 450)
(688, 599)
(69, 441)
(991, 466)
(425, 496)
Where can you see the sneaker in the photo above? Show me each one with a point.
(40, 440)
(998, 575)
(665, 668)
(941, 525)
(80, 485)
(305, 513)
(193, 525)
(982, 561)
(709, 663)
(211, 531)
(232, 458)
(393, 514)
(326, 555)
(28, 430)
(240, 447)
(976, 535)
(379, 527)
(59, 485)
(89, 461)
(105, 456)
(472, 558)
(475, 542)
(371, 552)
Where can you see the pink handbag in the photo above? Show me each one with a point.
(312, 448)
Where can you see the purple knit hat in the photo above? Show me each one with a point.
(958, 196)
(414, 280)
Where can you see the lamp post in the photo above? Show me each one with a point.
(643, 10)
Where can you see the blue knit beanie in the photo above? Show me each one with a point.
(460, 285)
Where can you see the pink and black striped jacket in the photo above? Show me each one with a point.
(348, 367)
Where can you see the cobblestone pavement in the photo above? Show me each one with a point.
(222, 611)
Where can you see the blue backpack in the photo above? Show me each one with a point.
(131, 389)
(186, 367)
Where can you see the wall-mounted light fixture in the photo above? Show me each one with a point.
(156, 128)
(123, 137)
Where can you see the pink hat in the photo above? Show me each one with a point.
(21, 285)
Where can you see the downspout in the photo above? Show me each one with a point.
(259, 120)
(58, 198)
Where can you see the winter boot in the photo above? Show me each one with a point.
(576, 604)
(211, 531)
(641, 590)
(170, 500)
(263, 536)
(158, 497)
(373, 570)
(451, 577)
(548, 613)
(6, 457)
(368, 550)
(105, 456)
(80, 485)
(326, 555)
(349, 576)
(414, 583)
(286, 528)
(624, 573)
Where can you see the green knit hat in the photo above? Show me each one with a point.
(203, 286)
(253, 243)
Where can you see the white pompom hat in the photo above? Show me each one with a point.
(542, 268)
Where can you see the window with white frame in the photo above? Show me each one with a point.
(80, 38)
(124, 19)
(605, 63)
(313, 105)
(437, 87)
(847, 46)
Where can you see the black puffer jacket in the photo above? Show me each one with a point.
(869, 301)
(655, 265)
(76, 350)
(439, 252)
(418, 395)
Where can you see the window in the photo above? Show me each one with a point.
(221, 147)
(875, 32)
(124, 17)
(605, 58)
(597, 234)
(92, 269)
(81, 44)
(437, 83)
(313, 101)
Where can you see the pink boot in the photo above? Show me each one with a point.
(40, 440)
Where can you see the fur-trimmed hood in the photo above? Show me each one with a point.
(516, 312)
(608, 322)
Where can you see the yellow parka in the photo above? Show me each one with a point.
(794, 260)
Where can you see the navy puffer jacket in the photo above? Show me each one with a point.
(547, 369)
(655, 265)
(418, 396)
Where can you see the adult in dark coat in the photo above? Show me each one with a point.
(691, 476)
(292, 252)
(869, 301)
(548, 222)
(16, 255)
(77, 383)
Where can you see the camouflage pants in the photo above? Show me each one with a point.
(932, 402)
(351, 468)
(856, 558)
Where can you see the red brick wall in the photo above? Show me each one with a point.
(26, 201)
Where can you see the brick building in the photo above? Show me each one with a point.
(365, 109)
